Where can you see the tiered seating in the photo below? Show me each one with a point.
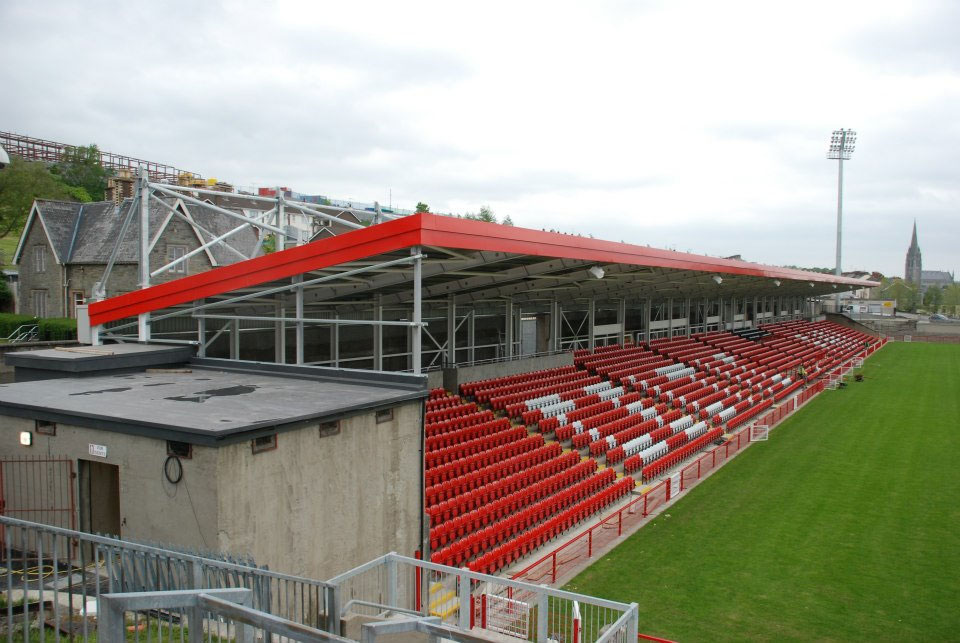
(514, 524)
(440, 490)
(471, 388)
(457, 423)
(476, 498)
(519, 393)
(496, 510)
(505, 554)
(475, 463)
(481, 445)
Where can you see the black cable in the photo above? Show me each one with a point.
(177, 474)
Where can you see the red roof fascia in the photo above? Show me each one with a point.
(428, 230)
(448, 232)
(357, 244)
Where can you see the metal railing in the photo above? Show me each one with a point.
(24, 333)
(57, 577)
(468, 601)
(197, 615)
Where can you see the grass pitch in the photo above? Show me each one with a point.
(844, 526)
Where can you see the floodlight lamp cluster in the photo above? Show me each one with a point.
(842, 144)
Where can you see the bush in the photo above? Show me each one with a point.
(50, 330)
(10, 322)
(57, 329)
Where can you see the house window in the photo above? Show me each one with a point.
(78, 300)
(174, 253)
(329, 428)
(39, 259)
(180, 449)
(266, 443)
(44, 427)
(384, 415)
(39, 303)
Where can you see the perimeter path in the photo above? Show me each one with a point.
(843, 526)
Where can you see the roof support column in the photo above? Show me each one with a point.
(201, 332)
(591, 319)
(508, 327)
(471, 336)
(451, 330)
(646, 320)
(720, 313)
(279, 334)
(556, 325)
(280, 221)
(622, 320)
(299, 295)
(670, 318)
(235, 339)
(143, 186)
(335, 342)
(417, 339)
(378, 333)
(688, 317)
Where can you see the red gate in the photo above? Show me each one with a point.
(39, 489)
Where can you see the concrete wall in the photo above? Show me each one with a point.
(453, 377)
(318, 506)
(151, 508)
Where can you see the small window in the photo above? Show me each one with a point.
(174, 253)
(266, 443)
(46, 428)
(39, 259)
(329, 428)
(39, 303)
(384, 415)
(180, 449)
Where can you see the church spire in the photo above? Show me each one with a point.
(913, 267)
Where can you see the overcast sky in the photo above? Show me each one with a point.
(697, 126)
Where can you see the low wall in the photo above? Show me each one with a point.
(451, 378)
(6, 372)
(843, 320)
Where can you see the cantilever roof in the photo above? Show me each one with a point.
(473, 260)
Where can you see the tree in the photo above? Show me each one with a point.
(81, 167)
(933, 298)
(904, 293)
(422, 207)
(485, 214)
(23, 181)
(951, 297)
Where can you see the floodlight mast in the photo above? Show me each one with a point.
(842, 142)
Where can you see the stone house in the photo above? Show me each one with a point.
(65, 247)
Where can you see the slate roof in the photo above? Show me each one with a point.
(85, 233)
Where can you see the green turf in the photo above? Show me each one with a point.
(844, 526)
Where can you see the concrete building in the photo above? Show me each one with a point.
(65, 247)
(310, 470)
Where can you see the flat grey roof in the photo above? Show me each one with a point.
(209, 401)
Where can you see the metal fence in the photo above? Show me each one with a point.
(56, 578)
(468, 601)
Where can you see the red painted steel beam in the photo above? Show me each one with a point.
(428, 230)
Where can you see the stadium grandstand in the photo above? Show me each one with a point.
(576, 387)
